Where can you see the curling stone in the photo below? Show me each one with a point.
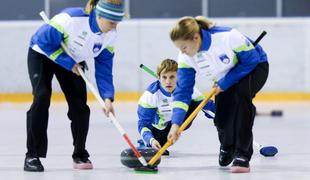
(129, 159)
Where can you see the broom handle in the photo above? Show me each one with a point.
(113, 118)
(148, 70)
(183, 126)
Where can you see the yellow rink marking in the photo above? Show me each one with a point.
(134, 96)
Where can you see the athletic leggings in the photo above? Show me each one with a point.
(41, 71)
(235, 112)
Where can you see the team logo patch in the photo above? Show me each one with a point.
(97, 47)
(224, 58)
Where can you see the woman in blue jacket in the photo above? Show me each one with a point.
(238, 71)
(88, 34)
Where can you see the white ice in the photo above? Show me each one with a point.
(194, 156)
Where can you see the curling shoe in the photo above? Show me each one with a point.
(225, 157)
(82, 163)
(240, 165)
(33, 164)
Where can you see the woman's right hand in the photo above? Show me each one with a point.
(75, 69)
(174, 133)
(155, 144)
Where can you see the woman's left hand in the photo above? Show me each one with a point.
(108, 107)
(217, 89)
(174, 134)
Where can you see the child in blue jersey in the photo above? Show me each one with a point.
(89, 35)
(237, 69)
(155, 106)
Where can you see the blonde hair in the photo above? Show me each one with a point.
(188, 26)
(91, 4)
(167, 65)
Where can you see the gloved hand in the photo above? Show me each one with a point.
(83, 65)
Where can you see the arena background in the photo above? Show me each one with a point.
(144, 38)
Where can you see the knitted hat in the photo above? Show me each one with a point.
(110, 11)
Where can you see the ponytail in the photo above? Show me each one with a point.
(90, 5)
(204, 23)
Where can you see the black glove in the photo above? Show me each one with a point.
(84, 65)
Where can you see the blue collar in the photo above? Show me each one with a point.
(164, 91)
(206, 40)
(93, 23)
